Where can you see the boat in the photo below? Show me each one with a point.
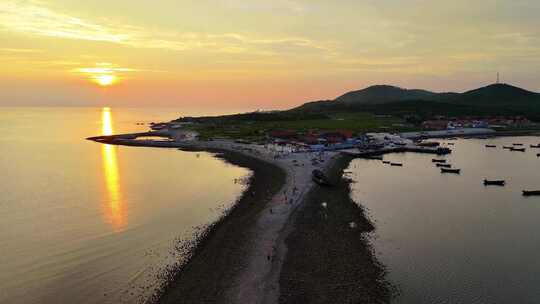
(319, 178)
(517, 144)
(491, 146)
(530, 193)
(429, 144)
(450, 144)
(443, 151)
(375, 157)
(535, 146)
(385, 162)
(494, 182)
(396, 164)
(447, 170)
(438, 160)
(507, 147)
(518, 149)
(444, 165)
(537, 154)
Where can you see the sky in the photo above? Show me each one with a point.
(239, 54)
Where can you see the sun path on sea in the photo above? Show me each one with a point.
(258, 282)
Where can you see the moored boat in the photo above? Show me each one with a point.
(507, 147)
(491, 146)
(531, 192)
(494, 182)
(517, 144)
(517, 149)
(535, 146)
(375, 157)
(447, 170)
(438, 160)
(396, 164)
(385, 162)
(429, 144)
(444, 165)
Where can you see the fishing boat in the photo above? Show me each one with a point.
(396, 164)
(385, 162)
(447, 170)
(507, 147)
(319, 178)
(438, 160)
(494, 182)
(535, 146)
(444, 165)
(450, 144)
(518, 149)
(514, 144)
(530, 193)
(491, 146)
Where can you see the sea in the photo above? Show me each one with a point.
(447, 238)
(82, 222)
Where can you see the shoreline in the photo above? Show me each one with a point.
(328, 261)
(248, 255)
(218, 255)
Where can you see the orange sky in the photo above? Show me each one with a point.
(232, 54)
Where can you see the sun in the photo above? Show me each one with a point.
(105, 79)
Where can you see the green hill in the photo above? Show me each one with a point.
(379, 94)
(495, 99)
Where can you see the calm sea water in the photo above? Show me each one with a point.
(448, 238)
(82, 222)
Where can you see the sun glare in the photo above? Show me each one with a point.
(105, 80)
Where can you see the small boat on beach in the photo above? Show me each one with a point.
(494, 182)
(514, 144)
(438, 160)
(396, 164)
(518, 149)
(450, 144)
(491, 146)
(531, 193)
(444, 165)
(386, 162)
(507, 147)
(535, 146)
(319, 178)
(447, 170)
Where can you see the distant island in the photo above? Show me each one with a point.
(383, 108)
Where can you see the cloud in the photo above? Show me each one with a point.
(36, 19)
(16, 50)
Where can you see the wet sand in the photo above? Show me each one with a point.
(327, 261)
(220, 254)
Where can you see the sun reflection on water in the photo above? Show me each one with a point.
(114, 208)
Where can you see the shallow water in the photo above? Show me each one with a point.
(82, 222)
(449, 239)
